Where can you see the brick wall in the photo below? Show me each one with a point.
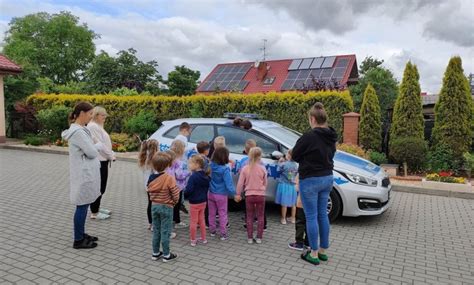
(351, 128)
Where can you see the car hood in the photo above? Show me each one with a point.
(346, 162)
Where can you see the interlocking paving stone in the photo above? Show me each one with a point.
(420, 239)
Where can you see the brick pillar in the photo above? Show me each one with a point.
(350, 134)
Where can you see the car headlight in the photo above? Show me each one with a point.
(362, 180)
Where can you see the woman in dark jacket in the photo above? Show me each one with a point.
(314, 152)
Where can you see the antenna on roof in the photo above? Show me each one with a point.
(264, 49)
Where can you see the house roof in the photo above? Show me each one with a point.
(7, 66)
(281, 75)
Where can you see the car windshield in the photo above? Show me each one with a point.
(284, 135)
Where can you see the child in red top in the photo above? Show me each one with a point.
(253, 182)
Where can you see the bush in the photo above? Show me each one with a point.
(353, 149)
(440, 159)
(143, 124)
(409, 150)
(123, 142)
(370, 126)
(468, 163)
(54, 119)
(445, 177)
(34, 140)
(289, 108)
(377, 157)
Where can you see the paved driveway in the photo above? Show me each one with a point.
(420, 239)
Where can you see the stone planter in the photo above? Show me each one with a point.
(446, 186)
(390, 169)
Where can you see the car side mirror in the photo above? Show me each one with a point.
(277, 155)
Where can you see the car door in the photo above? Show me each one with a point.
(235, 139)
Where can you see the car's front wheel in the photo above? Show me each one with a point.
(334, 205)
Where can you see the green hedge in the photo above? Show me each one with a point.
(288, 109)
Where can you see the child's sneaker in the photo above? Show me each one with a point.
(156, 256)
(224, 237)
(283, 221)
(180, 225)
(203, 241)
(258, 240)
(250, 240)
(296, 246)
(213, 234)
(170, 257)
(193, 242)
(173, 235)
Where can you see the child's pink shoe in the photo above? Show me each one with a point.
(193, 242)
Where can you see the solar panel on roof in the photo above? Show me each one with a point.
(293, 74)
(287, 84)
(295, 64)
(339, 72)
(342, 62)
(317, 62)
(315, 73)
(326, 74)
(306, 63)
(328, 62)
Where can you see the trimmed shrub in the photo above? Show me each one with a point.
(143, 124)
(122, 142)
(34, 140)
(289, 108)
(54, 119)
(454, 112)
(409, 151)
(370, 127)
(377, 157)
(440, 158)
(352, 149)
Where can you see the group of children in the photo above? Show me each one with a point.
(205, 180)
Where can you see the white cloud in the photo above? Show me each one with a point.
(201, 34)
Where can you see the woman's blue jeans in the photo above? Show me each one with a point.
(80, 217)
(314, 196)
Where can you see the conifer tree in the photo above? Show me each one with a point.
(370, 127)
(407, 129)
(407, 119)
(454, 113)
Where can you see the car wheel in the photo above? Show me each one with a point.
(334, 206)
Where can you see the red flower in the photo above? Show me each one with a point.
(446, 173)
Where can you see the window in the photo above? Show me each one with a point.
(235, 139)
(172, 133)
(269, 80)
(202, 133)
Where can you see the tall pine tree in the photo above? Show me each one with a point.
(407, 130)
(454, 113)
(370, 127)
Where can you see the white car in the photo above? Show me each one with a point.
(360, 187)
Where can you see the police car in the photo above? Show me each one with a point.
(360, 187)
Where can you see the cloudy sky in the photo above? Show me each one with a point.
(203, 33)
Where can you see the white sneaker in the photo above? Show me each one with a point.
(100, 216)
(173, 235)
(259, 241)
(250, 240)
(181, 225)
(105, 211)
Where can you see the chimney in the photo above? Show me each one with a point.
(262, 70)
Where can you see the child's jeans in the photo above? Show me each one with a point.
(300, 228)
(162, 216)
(217, 204)
(255, 205)
(197, 217)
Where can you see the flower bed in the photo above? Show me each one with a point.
(446, 181)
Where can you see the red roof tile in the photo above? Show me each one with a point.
(8, 66)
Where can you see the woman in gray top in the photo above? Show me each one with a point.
(84, 171)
